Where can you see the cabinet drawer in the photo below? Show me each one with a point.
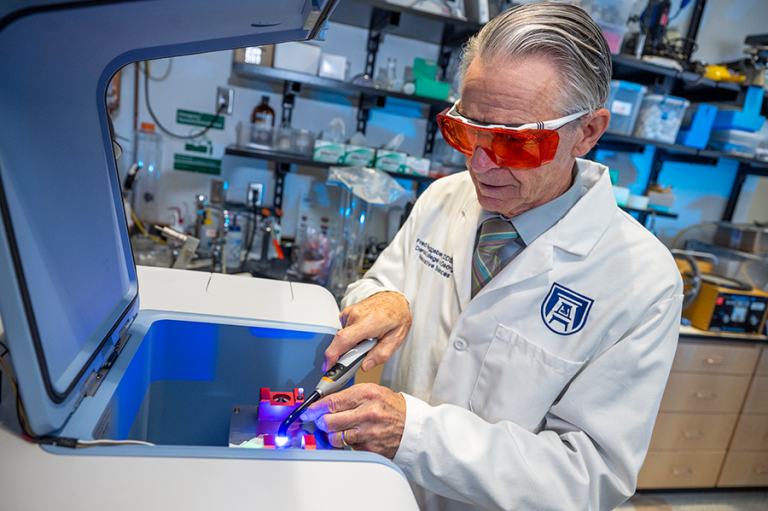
(715, 358)
(688, 392)
(692, 432)
(762, 365)
(751, 433)
(680, 470)
(757, 397)
(745, 469)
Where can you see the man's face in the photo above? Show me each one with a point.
(516, 92)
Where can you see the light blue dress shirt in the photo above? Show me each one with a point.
(535, 222)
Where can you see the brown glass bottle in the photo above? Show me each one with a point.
(263, 114)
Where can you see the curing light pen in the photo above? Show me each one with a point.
(332, 380)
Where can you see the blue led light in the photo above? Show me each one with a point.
(281, 441)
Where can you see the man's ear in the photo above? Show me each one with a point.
(591, 131)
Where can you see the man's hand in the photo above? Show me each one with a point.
(371, 418)
(385, 316)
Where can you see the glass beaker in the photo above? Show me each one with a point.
(348, 264)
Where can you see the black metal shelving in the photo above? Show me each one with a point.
(298, 159)
(312, 82)
(380, 18)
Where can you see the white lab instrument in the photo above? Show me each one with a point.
(95, 359)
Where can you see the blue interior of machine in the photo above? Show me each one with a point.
(184, 378)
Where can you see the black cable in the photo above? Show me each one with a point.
(166, 131)
(253, 227)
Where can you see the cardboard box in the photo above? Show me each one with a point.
(258, 55)
(417, 166)
(359, 155)
(328, 152)
(390, 160)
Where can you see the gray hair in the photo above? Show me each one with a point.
(559, 31)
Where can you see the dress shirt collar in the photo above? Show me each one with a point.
(535, 222)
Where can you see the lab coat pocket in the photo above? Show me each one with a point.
(519, 380)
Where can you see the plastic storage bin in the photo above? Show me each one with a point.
(735, 141)
(611, 16)
(660, 118)
(624, 103)
(614, 34)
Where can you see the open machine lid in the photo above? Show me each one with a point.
(67, 277)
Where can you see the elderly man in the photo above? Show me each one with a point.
(528, 323)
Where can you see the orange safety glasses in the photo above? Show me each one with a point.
(520, 146)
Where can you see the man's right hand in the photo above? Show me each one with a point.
(385, 316)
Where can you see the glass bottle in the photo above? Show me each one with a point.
(392, 83)
(263, 113)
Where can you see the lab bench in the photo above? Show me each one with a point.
(712, 427)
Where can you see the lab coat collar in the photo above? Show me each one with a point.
(580, 230)
(466, 229)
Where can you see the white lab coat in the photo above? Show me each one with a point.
(504, 412)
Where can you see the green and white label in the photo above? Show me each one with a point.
(196, 164)
(199, 119)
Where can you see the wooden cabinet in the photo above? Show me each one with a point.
(744, 469)
(747, 461)
(692, 432)
(680, 469)
(757, 399)
(713, 358)
(687, 392)
(699, 413)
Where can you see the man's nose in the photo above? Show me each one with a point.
(481, 160)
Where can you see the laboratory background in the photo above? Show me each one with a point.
(298, 162)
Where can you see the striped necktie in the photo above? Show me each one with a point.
(494, 234)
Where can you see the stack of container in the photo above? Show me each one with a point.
(660, 117)
(624, 103)
(611, 16)
(736, 131)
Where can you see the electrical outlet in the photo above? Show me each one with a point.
(225, 99)
(255, 194)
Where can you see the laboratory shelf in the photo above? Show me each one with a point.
(628, 65)
(297, 159)
(404, 21)
(647, 212)
(748, 160)
(612, 141)
(270, 74)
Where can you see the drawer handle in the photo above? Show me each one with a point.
(706, 395)
(682, 471)
(717, 360)
(761, 471)
(693, 434)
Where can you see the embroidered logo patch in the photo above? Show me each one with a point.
(564, 311)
